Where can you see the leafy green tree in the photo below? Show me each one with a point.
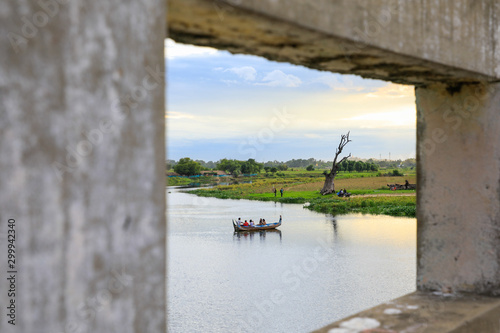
(274, 169)
(187, 167)
(344, 166)
(373, 167)
(246, 168)
(310, 167)
(359, 166)
(251, 167)
(169, 164)
(350, 166)
(282, 167)
(230, 166)
(397, 173)
(257, 167)
(410, 163)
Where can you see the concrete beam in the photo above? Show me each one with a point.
(421, 312)
(409, 42)
(82, 165)
(458, 202)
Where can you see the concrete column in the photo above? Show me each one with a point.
(458, 202)
(82, 165)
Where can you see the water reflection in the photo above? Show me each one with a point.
(326, 268)
(244, 235)
(333, 222)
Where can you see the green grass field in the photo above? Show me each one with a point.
(370, 194)
(384, 205)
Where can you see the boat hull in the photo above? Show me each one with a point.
(268, 226)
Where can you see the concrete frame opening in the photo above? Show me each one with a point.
(68, 74)
(204, 69)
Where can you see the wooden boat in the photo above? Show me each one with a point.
(257, 227)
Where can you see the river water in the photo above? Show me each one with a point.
(314, 270)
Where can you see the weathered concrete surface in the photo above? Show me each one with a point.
(82, 164)
(458, 208)
(425, 313)
(411, 42)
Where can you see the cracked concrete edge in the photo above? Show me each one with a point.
(426, 312)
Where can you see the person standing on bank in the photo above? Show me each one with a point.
(281, 191)
(274, 190)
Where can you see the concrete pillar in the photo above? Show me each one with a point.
(82, 165)
(458, 207)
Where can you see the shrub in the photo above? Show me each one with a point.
(396, 173)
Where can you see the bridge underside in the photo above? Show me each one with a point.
(402, 42)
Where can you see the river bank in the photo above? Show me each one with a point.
(370, 195)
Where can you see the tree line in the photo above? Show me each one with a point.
(358, 166)
(188, 167)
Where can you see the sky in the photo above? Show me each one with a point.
(221, 105)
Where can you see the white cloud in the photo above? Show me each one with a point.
(398, 118)
(393, 91)
(178, 115)
(184, 126)
(175, 50)
(247, 73)
(230, 82)
(277, 78)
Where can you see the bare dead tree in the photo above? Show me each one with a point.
(329, 186)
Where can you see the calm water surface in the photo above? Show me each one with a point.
(316, 269)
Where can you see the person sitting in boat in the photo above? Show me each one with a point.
(251, 223)
(263, 221)
(246, 224)
(239, 221)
